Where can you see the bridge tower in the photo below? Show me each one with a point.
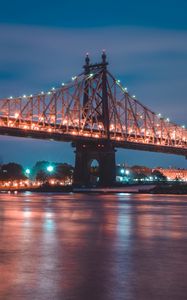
(101, 151)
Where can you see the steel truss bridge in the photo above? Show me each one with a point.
(97, 114)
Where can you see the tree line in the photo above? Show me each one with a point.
(15, 171)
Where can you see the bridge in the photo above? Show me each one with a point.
(97, 114)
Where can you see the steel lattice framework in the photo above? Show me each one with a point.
(75, 111)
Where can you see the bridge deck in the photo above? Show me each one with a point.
(117, 141)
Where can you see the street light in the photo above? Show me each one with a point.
(50, 168)
(122, 171)
(27, 171)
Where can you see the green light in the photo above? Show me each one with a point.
(50, 168)
(27, 171)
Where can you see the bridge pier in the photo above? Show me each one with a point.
(85, 153)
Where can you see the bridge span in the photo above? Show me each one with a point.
(97, 114)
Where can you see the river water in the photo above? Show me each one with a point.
(93, 247)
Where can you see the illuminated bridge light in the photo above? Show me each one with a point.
(125, 89)
(24, 96)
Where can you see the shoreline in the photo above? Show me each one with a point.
(173, 189)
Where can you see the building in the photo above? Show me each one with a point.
(173, 174)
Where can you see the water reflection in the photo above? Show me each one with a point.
(93, 247)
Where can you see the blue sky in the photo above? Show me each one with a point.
(43, 43)
(85, 14)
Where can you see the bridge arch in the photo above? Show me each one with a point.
(94, 155)
(94, 171)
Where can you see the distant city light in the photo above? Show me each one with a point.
(127, 172)
(122, 171)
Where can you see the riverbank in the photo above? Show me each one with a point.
(40, 189)
(179, 189)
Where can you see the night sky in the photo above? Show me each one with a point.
(43, 43)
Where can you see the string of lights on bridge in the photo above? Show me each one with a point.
(125, 90)
(53, 90)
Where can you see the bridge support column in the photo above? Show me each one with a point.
(85, 153)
